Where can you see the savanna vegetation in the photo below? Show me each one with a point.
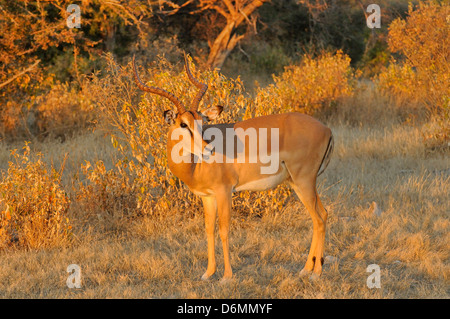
(83, 166)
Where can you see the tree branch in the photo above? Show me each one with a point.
(20, 74)
(230, 7)
(175, 6)
(248, 10)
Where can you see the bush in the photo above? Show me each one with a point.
(268, 59)
(422, 73)
(112, 193)
(59, 110)
(62, 111)
(314, 85)
(33, 204)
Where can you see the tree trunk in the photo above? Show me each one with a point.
(222, 46)
(227, 40)
(110, 42)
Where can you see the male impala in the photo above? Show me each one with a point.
(303, 150)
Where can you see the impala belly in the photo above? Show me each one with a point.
(201, 193)
(265, 182)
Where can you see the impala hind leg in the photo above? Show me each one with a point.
(306, 191)
(210, 208)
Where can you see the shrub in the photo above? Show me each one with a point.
(33, 204)
(58, 110)
(315, 84)
(111, 193)
(422, 73)
(268, 59)
(62, 111)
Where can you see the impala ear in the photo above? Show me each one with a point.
(169, 117)
(212, 112)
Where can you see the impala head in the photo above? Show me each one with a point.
(185, 122)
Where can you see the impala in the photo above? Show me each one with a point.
(302, 144)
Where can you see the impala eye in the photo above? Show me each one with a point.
(183, 125)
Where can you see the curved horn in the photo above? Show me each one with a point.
(152, 89)
(201, 86)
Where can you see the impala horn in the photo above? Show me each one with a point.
(201, 86)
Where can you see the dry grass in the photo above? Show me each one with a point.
(164, 256)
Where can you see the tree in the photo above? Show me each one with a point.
(37, 31)
(38, 48)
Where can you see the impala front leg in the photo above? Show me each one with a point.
(224, 210)
(210, 207)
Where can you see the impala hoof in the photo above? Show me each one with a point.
(314, 277)
(206, 276)
(225, 280)
(305, 272)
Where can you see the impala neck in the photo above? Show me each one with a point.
(184, 170)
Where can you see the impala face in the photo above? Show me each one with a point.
(187, 128)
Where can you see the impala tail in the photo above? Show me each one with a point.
(326, 158)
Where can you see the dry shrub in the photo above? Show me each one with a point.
(422, 76)
(315, 85)
(33, 204)
(17, 109)
(57, 111)
(10, 118)
(62, 111)
(108, 191)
